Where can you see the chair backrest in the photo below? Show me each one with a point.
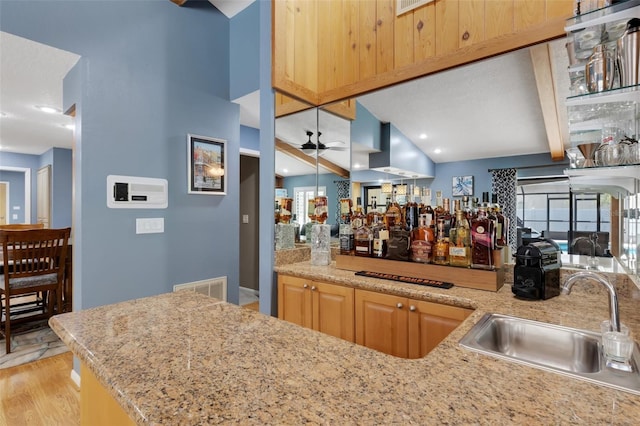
(34, 252)
(21, 226)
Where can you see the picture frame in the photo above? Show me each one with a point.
(462, 185)
(206, 165)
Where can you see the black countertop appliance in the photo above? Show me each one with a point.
(537, 272)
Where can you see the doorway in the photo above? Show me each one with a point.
(249, 228)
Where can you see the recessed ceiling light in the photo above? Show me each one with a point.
(437, 151)
(285, 171)
(48, 109)
(69, 126)
(356, 166)
(423, 135)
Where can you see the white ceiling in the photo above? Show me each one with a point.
(31, 74)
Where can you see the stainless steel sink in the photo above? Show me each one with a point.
(563, 350)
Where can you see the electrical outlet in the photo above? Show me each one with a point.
(150, 225)
(245, 218)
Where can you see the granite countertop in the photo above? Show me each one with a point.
(184, 358)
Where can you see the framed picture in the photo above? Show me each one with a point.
(206, 165)
(462, 185)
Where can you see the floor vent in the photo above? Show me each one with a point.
(213, 287)
(404, 6)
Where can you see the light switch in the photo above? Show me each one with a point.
(150, 225)
(16, 207)
(14, 217)
(245, 218)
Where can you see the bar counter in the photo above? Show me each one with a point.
(183, 358)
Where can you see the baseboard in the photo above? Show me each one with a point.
(75, 377)
(250, 290)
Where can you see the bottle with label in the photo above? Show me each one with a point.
(441, 248)
(422, 241)
(446, 216)
(393, 215)
(380, 235)
(363, 239)
(345, 234)
(411, 214)
(296, 228)
(502, 224)
(311, 209)
(321, 209)
(286, 206)
(482, 237)
(277, 212)
(460, 242)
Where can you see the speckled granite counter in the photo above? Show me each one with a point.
(183, 358)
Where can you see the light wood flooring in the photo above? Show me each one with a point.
(40, 393)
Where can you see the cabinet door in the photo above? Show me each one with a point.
(430, 323)
(381, 322)
(294, 300)
(333, 310)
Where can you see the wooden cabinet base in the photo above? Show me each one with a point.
(97, 406)
(463, 277)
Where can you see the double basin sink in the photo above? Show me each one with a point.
(568, 351)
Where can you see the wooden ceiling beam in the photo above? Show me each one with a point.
(554, 120)
(309, 160)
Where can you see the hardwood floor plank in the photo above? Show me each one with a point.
(40, 393)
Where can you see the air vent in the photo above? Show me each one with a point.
(404, 6)
(213, 287)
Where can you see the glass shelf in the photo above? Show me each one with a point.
(629, 94)
(624, 10)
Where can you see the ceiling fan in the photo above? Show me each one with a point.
(309, 147)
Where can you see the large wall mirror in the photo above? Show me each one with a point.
(423, 136)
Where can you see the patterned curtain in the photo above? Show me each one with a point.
(504, 184)
(342, 189)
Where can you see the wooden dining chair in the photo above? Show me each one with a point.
(21, 226)
(33, 262)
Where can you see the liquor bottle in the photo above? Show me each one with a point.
(411, 213)
(482, 237)
(502, 224)
(363, 240)
(296, 228)
(460, 242)
(311, 209)
(428, 210)
(345, 235)
(322, 209)
(446, 216)
(485, 199)
(441, 248)
(393, 215)
(422, 241)
(380, 235)
(438, 208)
(466, 207)
(277, 212)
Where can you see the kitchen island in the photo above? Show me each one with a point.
(184, 358)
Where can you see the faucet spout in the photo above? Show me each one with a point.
(613, 296)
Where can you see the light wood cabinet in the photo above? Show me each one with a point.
(324, 307)
(403, 327)
(97, 406)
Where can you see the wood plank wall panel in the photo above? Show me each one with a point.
(367, 27)
(529, 13)
(424, 27)
(385, 19)
(498, 18)
(330, 44)
(403, 30)
(471, 16)
(559, 8)
(446, 26)
(351, 20)
(305, 35)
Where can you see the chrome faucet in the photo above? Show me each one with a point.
(613, 296)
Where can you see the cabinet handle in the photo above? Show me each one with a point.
(313, 288)
(399, 305)
(466, 35)
(305, 286)
(412, 308)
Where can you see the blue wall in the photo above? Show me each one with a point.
(479, 169)
(150, 73)
(249, 138)
(365, 129)
(16, 195)
(245, 52)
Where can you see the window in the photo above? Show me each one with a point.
(301, 196)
